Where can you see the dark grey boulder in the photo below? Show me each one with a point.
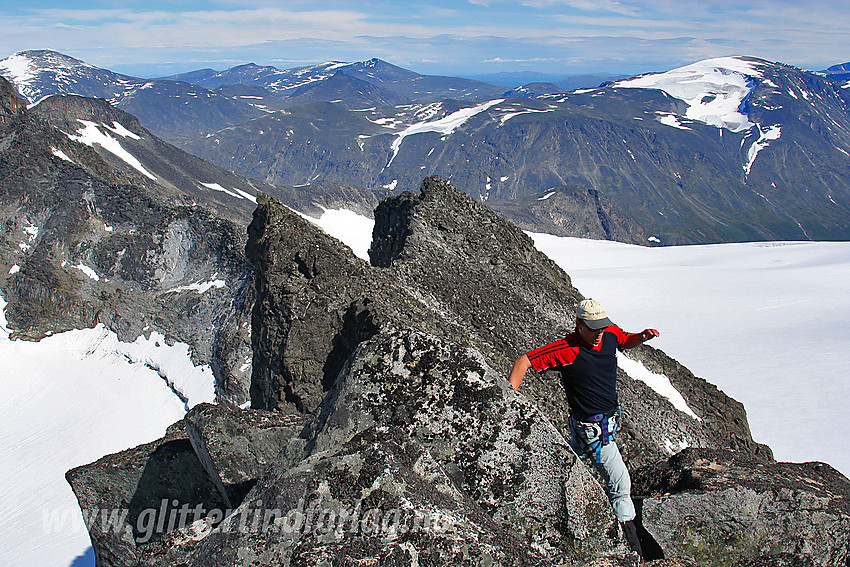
(133, 500)
(378, 499)
(235, 446)
(169, 494)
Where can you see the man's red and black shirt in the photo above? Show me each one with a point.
(588, 374)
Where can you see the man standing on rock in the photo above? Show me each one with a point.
(587, 361)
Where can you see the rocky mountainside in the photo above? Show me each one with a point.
(840, 73)
(383, 429)
(573, 210)
(137, 156)
(741, 150)
(732, 149)
(106, 223)
(88, 242)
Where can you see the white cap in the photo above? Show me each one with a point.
(592, 312)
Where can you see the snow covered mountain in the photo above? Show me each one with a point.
(190, 105)
(38, 74)
(176, 110)
(723, 150)
(729, 149)
(410, 86)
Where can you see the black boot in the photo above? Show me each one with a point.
(630, 530)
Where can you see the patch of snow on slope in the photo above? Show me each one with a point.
(60, 154)
(236, 193)
(765, 136)
(20, 72)
(119, 129)
(670, 119)
(444, 126)
(658, 382)
(88, 271)
(199, 287)
(66, 401)
(510, 115)
(713, 89)
(217, 187)
(91, 134)
(352, 229)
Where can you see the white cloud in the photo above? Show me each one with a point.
(587, 5)
(567, 36)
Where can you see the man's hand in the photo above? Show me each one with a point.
(636, 339)
(647, 334)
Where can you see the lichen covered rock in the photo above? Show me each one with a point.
(722, 508)
(379, 499)
(132, 500)
(497, 448)
(235, 446)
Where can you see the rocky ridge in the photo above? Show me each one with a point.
(85, 244)
(107, 223)
(485, 274)
(389, 434)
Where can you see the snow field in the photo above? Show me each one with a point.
(66, 401)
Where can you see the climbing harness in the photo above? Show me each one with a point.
(596, 431)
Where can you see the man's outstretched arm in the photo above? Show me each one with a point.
(636, 339)
(521, 365)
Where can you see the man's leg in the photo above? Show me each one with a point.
(618, 482)
(619, 486)
(612, 469)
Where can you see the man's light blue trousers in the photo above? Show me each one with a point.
(611, 467)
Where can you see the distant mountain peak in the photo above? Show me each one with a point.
(713, 89)
(37, 74)
(23, 67)
(252, 66)
(47, 57)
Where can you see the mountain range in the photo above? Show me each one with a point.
(732, 149)
(377, 383)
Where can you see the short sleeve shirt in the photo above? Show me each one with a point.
(588, 374)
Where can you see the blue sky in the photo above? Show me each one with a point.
(455, 37)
